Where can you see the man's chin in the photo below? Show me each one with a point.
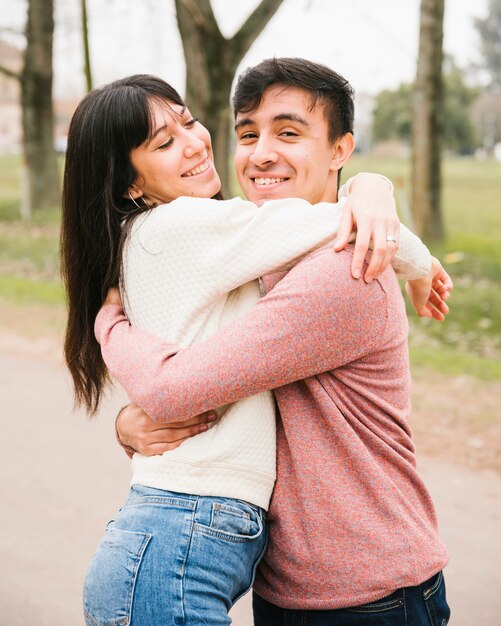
(263, 196)
(259, 194)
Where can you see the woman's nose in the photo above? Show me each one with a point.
(194, 145)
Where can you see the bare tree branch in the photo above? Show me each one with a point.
(9, 73)
(8, 30)
(200, 12)
(252, 27)
(211, 62)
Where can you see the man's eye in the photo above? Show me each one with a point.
(167, 144)
(289, 133)
(247, 136)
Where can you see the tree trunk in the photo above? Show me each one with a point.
(428, 124)
(211, 63)
(86, 49)
(37, 112)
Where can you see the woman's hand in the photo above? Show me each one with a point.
(428, 295)
(137, 432)
(370, 209)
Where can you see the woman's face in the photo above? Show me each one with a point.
(176, 161)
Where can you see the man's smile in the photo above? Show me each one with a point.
(261, 181)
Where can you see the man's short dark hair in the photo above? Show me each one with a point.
(325, 86)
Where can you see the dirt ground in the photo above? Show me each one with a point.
(63, 477)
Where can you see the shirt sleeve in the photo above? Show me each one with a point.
(316, 318)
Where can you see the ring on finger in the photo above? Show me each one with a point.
(391, 238)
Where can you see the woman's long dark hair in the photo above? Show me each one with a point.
(107, 124)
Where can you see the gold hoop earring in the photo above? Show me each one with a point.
(145, 204)
(133, 200)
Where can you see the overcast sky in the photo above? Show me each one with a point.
(373, 43)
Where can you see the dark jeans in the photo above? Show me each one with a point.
(424, 605)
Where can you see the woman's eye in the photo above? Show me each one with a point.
(165, 145)
(191, 122)
(289, 133)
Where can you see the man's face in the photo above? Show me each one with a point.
(283, 149)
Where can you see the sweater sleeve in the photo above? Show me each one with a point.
(317, 318)
(413, 259)
(235, 241)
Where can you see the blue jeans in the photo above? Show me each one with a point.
(171, 558)
(424, 605)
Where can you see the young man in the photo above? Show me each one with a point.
(353, 532)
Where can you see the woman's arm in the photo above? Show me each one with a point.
(381, 232)
(235, 241)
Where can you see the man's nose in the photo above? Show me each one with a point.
(263, 152)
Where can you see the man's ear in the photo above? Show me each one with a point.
(343, 149)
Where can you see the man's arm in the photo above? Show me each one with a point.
(136, 432)
(305, 325)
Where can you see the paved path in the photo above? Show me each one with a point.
(63, 477)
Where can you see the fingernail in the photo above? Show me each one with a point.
(212, 417)
(356, 274)
(203, 427)
(369, 279)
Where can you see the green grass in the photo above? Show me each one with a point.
(10, 181)
(468, 342)
(454, 362)
(22, 291)
(29, 255)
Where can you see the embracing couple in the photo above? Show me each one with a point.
(255, 346)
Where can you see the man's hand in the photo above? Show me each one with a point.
(137, 431)
(428, 295)
(370, 208)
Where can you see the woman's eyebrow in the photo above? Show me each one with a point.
(157, 131)
(165, 125)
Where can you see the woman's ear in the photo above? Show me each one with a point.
(343, 149)
(133, 193)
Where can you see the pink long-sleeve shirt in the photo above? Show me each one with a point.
(350, 519)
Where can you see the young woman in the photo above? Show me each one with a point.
(137, 211)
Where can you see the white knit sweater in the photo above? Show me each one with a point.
(191, 267)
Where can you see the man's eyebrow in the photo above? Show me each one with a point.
(291, 117)
(245, 122)
(166, 125)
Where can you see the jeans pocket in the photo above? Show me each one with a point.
(436, 602)
(234, 521)
(388, 603)
(110, 580)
